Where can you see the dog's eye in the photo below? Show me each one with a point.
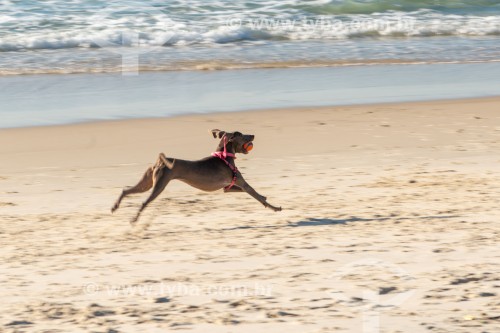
(237, 134)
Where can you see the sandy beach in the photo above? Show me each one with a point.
(389, 223)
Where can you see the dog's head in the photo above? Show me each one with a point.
(241, 143)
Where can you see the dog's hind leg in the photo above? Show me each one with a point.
(160, 182)
(145, 184)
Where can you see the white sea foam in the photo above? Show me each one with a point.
(256, 32)
(193, 22)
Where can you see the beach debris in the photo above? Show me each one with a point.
(162, 300)
(386, 290)
(19, 322)
(487, 294)
(465, 280)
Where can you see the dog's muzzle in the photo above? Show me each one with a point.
(247, 146)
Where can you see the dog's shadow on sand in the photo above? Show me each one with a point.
(313, 221)
(316, 222)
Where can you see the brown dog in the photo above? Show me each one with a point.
(208, 174)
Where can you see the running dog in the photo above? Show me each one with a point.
(208, 174)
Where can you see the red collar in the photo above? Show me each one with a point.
(223, 155)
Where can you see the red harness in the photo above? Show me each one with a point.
(223, 155)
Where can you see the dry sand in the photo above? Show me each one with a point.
(390, 216)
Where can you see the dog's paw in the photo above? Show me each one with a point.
(115, 207)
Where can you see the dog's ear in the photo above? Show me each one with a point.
(218, 133)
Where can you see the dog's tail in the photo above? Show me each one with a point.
(168, 162)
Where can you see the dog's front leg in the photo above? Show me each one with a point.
(262, 199)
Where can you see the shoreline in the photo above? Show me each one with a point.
(48, 100)
(226, 65)
(257, 111)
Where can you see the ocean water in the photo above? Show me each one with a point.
(88, 36)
